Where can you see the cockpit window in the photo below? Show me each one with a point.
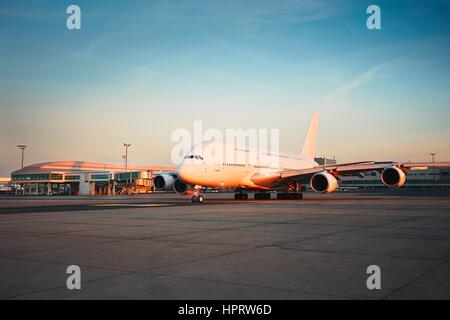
(194, 157)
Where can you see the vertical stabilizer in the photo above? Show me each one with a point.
(309, 145)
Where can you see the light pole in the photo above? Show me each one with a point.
(22, 147)
(126, 145)
(432, 160)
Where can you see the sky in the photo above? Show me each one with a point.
(138, 70)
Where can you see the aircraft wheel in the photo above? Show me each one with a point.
(289, 196)
(240, 196)
(262, 196)
(197, 199)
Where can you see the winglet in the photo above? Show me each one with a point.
(309, 145)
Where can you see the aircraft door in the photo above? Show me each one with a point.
(217, 166)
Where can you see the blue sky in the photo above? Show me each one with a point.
(137, 70)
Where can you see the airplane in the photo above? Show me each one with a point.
(285, 173)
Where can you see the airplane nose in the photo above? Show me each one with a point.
(183, 172)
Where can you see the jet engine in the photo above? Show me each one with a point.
(393, 177)
(180, 187)
(164, 182)
(323, 182)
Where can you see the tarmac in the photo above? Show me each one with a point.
(161, 246)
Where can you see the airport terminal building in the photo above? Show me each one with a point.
(92, 178)
(83, 178)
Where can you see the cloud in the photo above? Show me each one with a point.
(250, 16)
(337, 97)
(345, 88)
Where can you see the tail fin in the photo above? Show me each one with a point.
(309, 145)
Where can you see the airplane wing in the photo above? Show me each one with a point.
(354, 168)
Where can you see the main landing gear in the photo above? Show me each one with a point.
(262, 196)
(240, 196)
(289, 196)
(267, 196)
(292, 192)
(280, 196)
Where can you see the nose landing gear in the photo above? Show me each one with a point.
(197, 197)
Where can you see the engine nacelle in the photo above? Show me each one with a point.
(180, 187)
(393, 177)
(164, 182)
(323, 182)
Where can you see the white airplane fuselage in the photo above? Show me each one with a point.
(215, 170)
